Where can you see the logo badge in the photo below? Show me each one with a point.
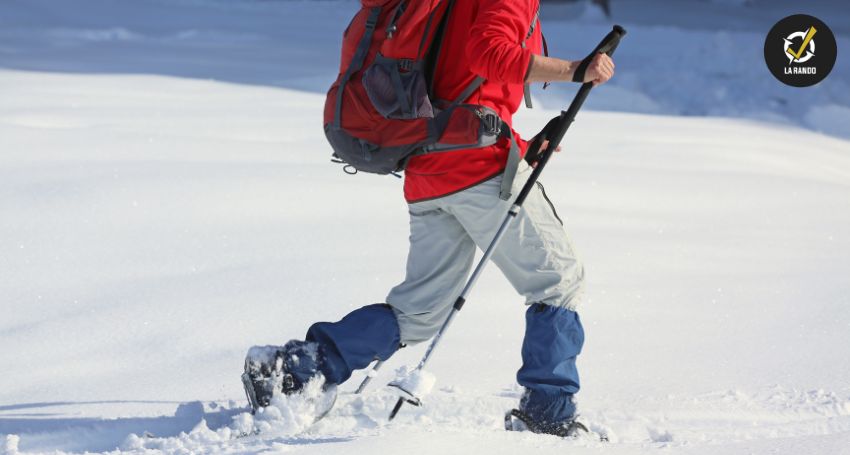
(800, 50)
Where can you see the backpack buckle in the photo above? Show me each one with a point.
(405, 64)
(492, 123)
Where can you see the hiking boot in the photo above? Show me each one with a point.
(270, 370)
(517, 420)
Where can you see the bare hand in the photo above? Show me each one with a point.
(601, 69)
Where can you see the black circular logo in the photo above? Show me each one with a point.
(800, 50)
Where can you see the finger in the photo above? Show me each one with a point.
(597, 78)
(595, 74)
(599, 73)
(600, 79)
(606, 71)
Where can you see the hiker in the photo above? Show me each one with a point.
(489, 51)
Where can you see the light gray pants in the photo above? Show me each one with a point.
(535, 254)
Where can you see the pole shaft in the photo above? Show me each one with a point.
(368, 377)
(470, 283)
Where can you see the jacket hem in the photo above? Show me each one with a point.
(431, 198)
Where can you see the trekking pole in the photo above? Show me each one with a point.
(553, 132)
(369, 376)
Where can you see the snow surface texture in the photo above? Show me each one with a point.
(154, 225)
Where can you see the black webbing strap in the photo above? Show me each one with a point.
(545, 53)
(436, 46)
(581, 69)
(392, 28)
(526, 86)
(545, 46)
(356, 61)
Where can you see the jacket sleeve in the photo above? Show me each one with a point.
(494, 45)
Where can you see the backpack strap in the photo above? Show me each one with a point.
(435, 51)
(436, 47)
(356, 61)
(511, 165)
(392, 28)
(469, 90)
(526, 87)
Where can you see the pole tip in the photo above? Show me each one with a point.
(396, 408)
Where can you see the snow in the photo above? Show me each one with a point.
(416, 383)
(166, 202)
(11, 445)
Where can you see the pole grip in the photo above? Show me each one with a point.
(609, 44)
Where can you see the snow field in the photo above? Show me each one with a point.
(157, 271)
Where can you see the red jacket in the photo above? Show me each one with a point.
(483, 38)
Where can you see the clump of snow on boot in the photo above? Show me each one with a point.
(290, 414)
(263, 354)
(417, 382)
